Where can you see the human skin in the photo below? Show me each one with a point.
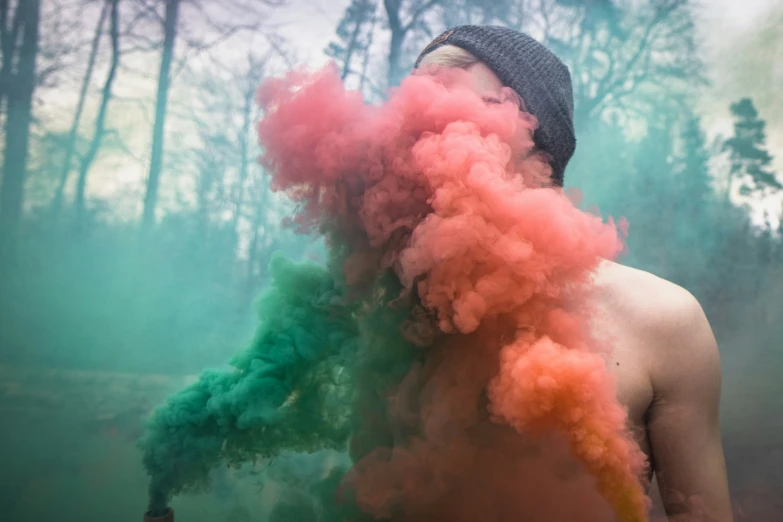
(666, 366)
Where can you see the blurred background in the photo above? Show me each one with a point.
(136, 224)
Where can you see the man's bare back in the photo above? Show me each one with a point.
(667, 369)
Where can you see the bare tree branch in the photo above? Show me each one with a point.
(100, 120)
(418, 12)
(70, 144)
(9, 43)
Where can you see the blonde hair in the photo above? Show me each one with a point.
(449, 56)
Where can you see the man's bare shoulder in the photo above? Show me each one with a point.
(648, 301)
(665, 317)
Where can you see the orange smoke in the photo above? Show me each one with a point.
(447, 191)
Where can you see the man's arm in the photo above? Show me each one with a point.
(683, 422)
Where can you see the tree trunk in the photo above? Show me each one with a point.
(100, 120)
(366, 60)
(164, 80)
(729, 185)
(259, 218)
(397, 39)
(74, 132)
(9, 39)
(351, 49)
(244, 139)
(17, 132)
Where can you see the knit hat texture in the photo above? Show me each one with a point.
(535, 73)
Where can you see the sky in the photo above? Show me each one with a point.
(309, 25)
(729, 28)
(720, 24)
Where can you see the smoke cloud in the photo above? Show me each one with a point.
(446, 344)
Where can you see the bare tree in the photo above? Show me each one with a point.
(100, 120)
(411, 24)
(354, 35)
(60, 21)
(402, 19)
(213, 160)
(482, 12)
(161, 100)
(257, 229)
(216, 25)
(70, 145)
(221, 112)
(252, 79)
(620, 52)
(9, 43)
(19, 91)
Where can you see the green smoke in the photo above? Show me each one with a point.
(292, 389)
(287, 386)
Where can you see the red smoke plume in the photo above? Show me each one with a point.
(447, 191)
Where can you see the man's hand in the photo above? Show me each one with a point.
(683, 425)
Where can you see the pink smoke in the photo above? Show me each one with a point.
(447, 191)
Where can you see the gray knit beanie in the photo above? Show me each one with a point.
(535, 73)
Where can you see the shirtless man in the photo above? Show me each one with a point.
(665, 359)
